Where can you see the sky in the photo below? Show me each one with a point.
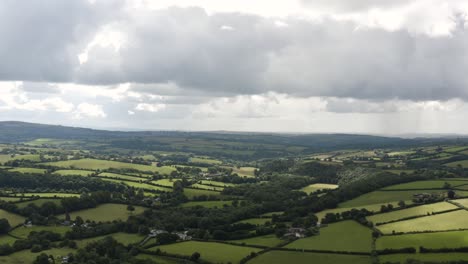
(309, 66)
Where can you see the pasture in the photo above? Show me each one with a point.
(244, 171)
(11, 199)
(410, 212)
(23, 231)
(371, 207)
(383, 197)
(463, 163)
(217, 183)
(12, 218)
(158, 259)
(73, 172)
(207, 204)
(434, 184)
(206, 187)
(317, 187)
(7, 239)
(209, 251)
(428, 257)
(27, 257)
(341, 236)
(451, 239)
(38, 202)
(50, 195)
(139, 185)
(441, 222)
(105, 212)
(28, 170)
(190, 193)
(165, 182)
(267, 241)
(281, 257)
(95, 164)
(120, 176)
(124, 238)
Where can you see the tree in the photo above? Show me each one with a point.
(451, 194)
(446, 185)
(402, 204)
(4, 226)
(166, 238)
(42, 259)
(130, 208)
(195, 256)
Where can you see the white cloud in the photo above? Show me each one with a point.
(153, 108)
(89, 110)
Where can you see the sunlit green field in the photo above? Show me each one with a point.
(31, 157)
(281, 257)
(423, 185)
(370, 207)
(73, 172)
(28, 170)
(452, 239)
(139, 185)
(209, 251)
(267, 241)
(37, 202)
(120, 176)
(94, 164)
(12, 218)
(413, 211)
(217, 183)
(23, 232)
(318, 186)
(206, 187)
(383, 197)
(446, 221)
(106, 212)
(51, 195)
(124, 238)
(341, 236)
(431, 257)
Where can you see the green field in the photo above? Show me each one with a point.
(32, 157)
(341, 236)
(206, 187)
(435, 184)
(382, 197)
(462, 202)
(6, 239)
(318, 186)
(255, 221)
(190, 193)
(11, 199)
(371, 207)
(271, 214)
(73, 172)
(209, 251)
(430, 257)
(207, 204)
(23, 232)
(413, 211)
(120, 176)
(28, 170)
(124, 238)
(267, 241)
(452, 239)
(139, 185)
(463, 163)
(446, 221)
(106, 212)
(51, 195)
(26, 257)
(37, 202)
(158, 259)
(165, 182)
(94, 164)
(281, 257)
(244, 171)
(217, 183)
(12, 218)
(205, 160)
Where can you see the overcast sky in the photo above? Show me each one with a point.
(361, 66)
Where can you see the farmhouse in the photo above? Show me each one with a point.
(295, 233)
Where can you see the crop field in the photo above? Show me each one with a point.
(209, 251)
(382, 197)
(120, 176)
(124, 238)
(451, 239)
(37, 202)
(190, 193)
(73, 172)
(28, 170)
(318, 186)
(23, 231)
(94, 164)
(435, 184)
(462, 202)
(51, 195)
(206, 187)
(281, 257)
(106, 212)
(267, 241)
(12, 218)
(27, 257)
(370, 207)
(341, 236)
(430, 257)
(441, 222)
(255, 221)
(413, 211)
(207, 204)
(244, 171)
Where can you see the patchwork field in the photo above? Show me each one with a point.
(318, 186)
(217, 183)
(383, 197)
(165, 182)
(190, 193)
(370, 207)
(452, 239)
(281, 257)
(7, 239)
(267, 241)
(431, 257)
(410, 212)
(244, 171)
(120, 176)
(106, 212)
(27, 257)
(139, 185)
(94, 164)
(436, 184)
(341, 236)
(11, 199)
(124, 238)
(463, 163)
(209, 251)
(158, 259)
(37, 202)
(23, 231)
(206, 187)
(205, 160)
(12, 218)
(51, 195)
(73, 172)
(446, 221)
(28, 170)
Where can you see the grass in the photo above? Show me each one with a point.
(165, 182)
(217, 183)
(6, 239)
(120, 176)
(28, 170)
(413, 211)
(434, 184)
(31, 157)
(341, 236)
(26, 257)
(446, 221)
(429, 257)
(462, 202)
(267, 241)
(106, 212)
(244, 171)
(94, 164)
(206, 187)
(10, 199)
(271, 214)
(255, 221)
(139, 185)
(124, 238)
(207, 204)
(12, 218)
(209, 251)
(205, 160)
(382, 197)
(23, 232)
(280, 257)
(190, 193)
(51, 195)
(452, 239)
(463, 163)
(37, 202)
(318, 186)
(158, 259)
(370, 207)
(73, 172)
